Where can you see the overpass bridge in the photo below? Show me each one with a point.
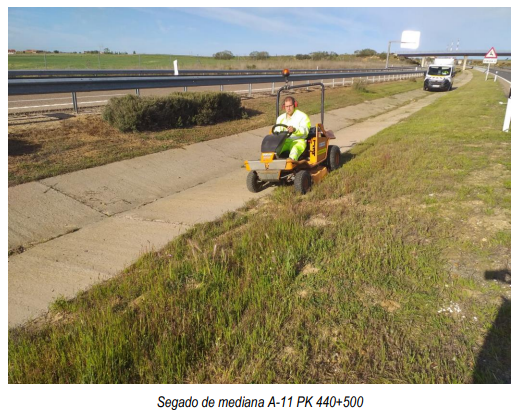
(464, 54)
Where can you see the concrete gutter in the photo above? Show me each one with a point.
(84, 227)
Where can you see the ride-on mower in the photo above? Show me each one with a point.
(275, 168)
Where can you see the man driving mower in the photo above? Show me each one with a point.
(298, 128)
(311, 157)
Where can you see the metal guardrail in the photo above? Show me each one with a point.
(12, 74)
(67, 85)
(50, 85)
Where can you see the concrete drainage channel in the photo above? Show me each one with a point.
(84, 227)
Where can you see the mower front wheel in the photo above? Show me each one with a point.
(302, 181)
(334, 158)
(253, 183)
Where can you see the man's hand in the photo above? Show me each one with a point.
(291, 129)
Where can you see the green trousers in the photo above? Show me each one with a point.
(295, 147)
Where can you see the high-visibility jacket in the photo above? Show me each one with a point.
(299, 120)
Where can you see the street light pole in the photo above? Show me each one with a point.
(389, 46)
(388, 56)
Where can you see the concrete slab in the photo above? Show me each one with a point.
(69, 264)
(202, 203)
(66, 265)
(38, 213)
(121, 186)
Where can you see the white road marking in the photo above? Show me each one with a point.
(54, 105)
(64, 98)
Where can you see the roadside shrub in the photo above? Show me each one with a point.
(224, 55)
(259, 55)
(177, 110)
(365, 53)
(360, 85)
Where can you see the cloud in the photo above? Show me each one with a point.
(329, 17)
(241, 18)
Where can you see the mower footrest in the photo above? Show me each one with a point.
(273, 165)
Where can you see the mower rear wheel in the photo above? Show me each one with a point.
(333, 158)
(253, 183)
(302, 181)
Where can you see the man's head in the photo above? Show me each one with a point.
(289, 105)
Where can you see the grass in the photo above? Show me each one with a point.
(53, 147)
(361, 281)
(63, 61)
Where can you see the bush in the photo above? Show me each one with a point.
(360, 85)
(365, 53)
(134, 113)
(259, 55)
(382, 55)
(223, 55)
(323, 55)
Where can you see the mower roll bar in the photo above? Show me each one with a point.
(287, 87)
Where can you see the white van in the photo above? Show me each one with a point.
(440, 75)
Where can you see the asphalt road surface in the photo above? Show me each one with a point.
(62, 101)
(59, 101)
(506, 74)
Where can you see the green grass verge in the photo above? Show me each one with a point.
(364, 280)
(67, 61)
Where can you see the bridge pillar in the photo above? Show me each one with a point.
(464, 62)
(423, 62)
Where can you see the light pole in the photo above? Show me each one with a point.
(410, 38)
(389, 46)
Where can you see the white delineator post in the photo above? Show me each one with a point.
(507, 116)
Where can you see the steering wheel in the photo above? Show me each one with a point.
(279, 125)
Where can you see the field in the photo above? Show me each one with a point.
(395, 269)
(163, 61)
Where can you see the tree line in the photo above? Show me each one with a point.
(315, 55)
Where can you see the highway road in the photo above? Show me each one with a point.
(59, 101)
(62, 101)
(506, 74)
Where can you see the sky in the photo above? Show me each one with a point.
(204, 31)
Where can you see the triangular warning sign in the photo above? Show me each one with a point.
(491, 54)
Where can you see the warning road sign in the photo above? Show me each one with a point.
(491, 54)
(490, 57)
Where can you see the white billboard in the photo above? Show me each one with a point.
(410, 39)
